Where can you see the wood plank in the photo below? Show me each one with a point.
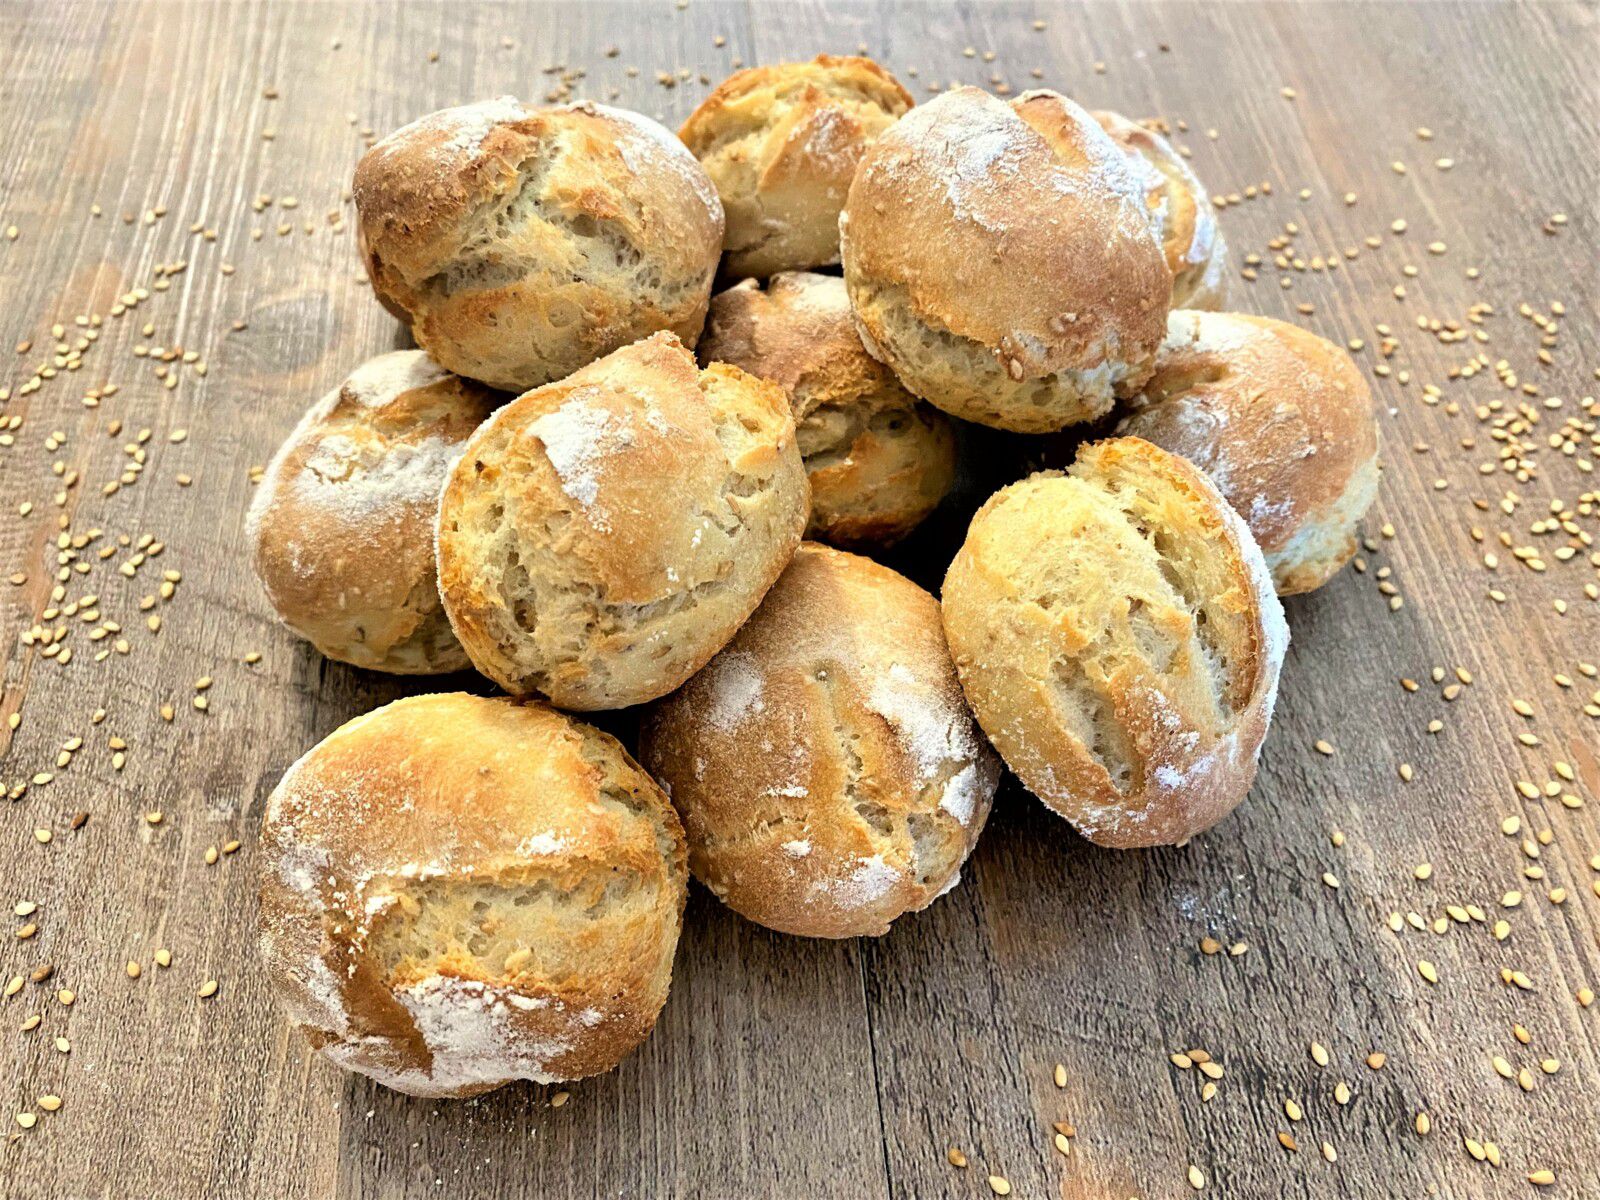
(783, 1067)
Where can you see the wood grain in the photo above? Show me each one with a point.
(783, 1067)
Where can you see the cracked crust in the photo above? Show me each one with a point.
(341, 522)
(827, 769)
(457, 892)
(781, 144)
(1118, 637)
(879, 460)
(602, 537)
(1283, 423)
(521, 243)
(1001, 260)
(1196, 253)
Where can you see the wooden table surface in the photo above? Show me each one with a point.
(172, 197)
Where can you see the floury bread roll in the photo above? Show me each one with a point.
(1196, 254)
(458, 892)
(1282, 422)
(878, 459)
(602, 537)
(522, 243)
(1002, 261)
(782, 143)
(825, 765)
(1118, 637)
(342, 522)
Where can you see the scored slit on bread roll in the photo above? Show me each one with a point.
(602, 537)
(521, 243)
(1196, 253)
(1283, 423)
(1117, 634)
(457, 892)
(781, 143)
(1002, 261)
(878, 459)
(825, 765)
(341, 523)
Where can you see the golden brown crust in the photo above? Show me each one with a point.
(602, 537)
(1117, 635)
(1001, 260)
(524, 242)
(782, 143)
(1284, 424)
(828, 772)
(879, 461)
(457, 892)
(1196, 254)
(342, 521)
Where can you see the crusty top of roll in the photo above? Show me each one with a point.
(727, 111)
(637, 509)
(825, 763)
(1189, 232)
(1118, 636)
(1279, 418)
(342, 520)
(782, 143)
(579, 226)
(796, 332)
(967, 188)
(416, 188)
(397, 811)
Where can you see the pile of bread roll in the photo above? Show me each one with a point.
(677, 509)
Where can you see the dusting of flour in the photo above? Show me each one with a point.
(460, 130)
(577, 438)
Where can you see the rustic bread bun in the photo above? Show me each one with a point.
(342, 522)
(878, 460)
(827, 770)
(782, 143)
(1282, 422)
(602, 537)
(457, 892)
(1001, 259)
(1118, 637)
(522, 243)
(1196, 254)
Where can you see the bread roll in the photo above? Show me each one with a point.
(342, 521)
(825, 765)
(1117, 634)
(1001, 259)
(522, 243)
(878, 460)
(457, 892)
(1283, 423)
(602, 537)
(1196, 254)
(782, 143)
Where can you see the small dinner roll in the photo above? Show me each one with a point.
(602, 537)
(1117, 634)
(878, 460)
(522, 243)
(1001, 259)
(342, 521)
(782, 143)
(1196, 254)
(1283, 423)
(827, 770)
(457, 892)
